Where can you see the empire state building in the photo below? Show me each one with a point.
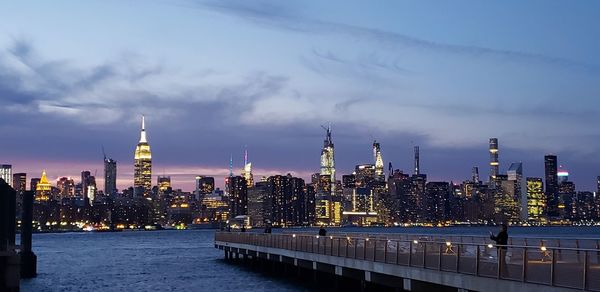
(142, 177)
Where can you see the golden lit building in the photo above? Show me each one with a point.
(536, 200)
(142, 176)
(43, 188)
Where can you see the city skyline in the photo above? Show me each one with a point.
(395, 76)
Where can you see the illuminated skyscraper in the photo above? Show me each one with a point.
(328, 160)
(20, 182)
(378, 161)
(88, 187)
(110, 176)
(494, 165)
(417, 170)
(536, 200)
(6, 173)
(328, 204)
(247, 171)
(142, 176)
(238, 195)
(551, 174)
(66, 186)
(43, 188)
(515, 174)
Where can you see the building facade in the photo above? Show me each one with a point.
(142, 174)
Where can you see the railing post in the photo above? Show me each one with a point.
(397, 252)
(553, 262)
(375, 250)
(410, 253)
(440, 258)
(355, 247)
(331, 247)
(458, 257)
(585, 269)
(385, 250)
(524, 268)
(499, 261)
(477, 262)
(424, 254)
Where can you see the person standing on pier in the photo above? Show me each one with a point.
(322, 231)
(501, 240)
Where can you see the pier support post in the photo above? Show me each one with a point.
(9, 259)
(28, 258)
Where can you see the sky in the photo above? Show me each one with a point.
(216, 77)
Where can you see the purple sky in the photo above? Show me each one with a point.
(214, 76)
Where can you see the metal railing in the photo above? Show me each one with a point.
(577, 268)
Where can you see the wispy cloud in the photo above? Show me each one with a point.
(275, 15)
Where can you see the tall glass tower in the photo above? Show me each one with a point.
(142, 176)
(494, 165)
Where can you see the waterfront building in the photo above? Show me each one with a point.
(551, 190)
(536, 200)
(214, 208)
(6, 173)
(260, 204)
(237, 191)
(110, 176)
(142, 175)
(494, 164)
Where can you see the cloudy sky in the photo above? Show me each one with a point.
(214, 76)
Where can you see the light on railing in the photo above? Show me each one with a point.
(490, 245)
(348, 238)
(367, 239)
(293, 235)
(415, 241)
(543, 248)
(448, 243)
(317, 236)
(330, 237)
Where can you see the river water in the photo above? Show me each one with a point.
(184, 260)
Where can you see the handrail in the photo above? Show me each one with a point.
(519, 236)
(569, 267)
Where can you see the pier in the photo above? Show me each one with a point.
(413, 262)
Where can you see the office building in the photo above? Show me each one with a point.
(110, 176)
(6, 173)
(20, 182)
(237, 191)
(536, 200)
(494, 164)
(551, 190)
(142, 176)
